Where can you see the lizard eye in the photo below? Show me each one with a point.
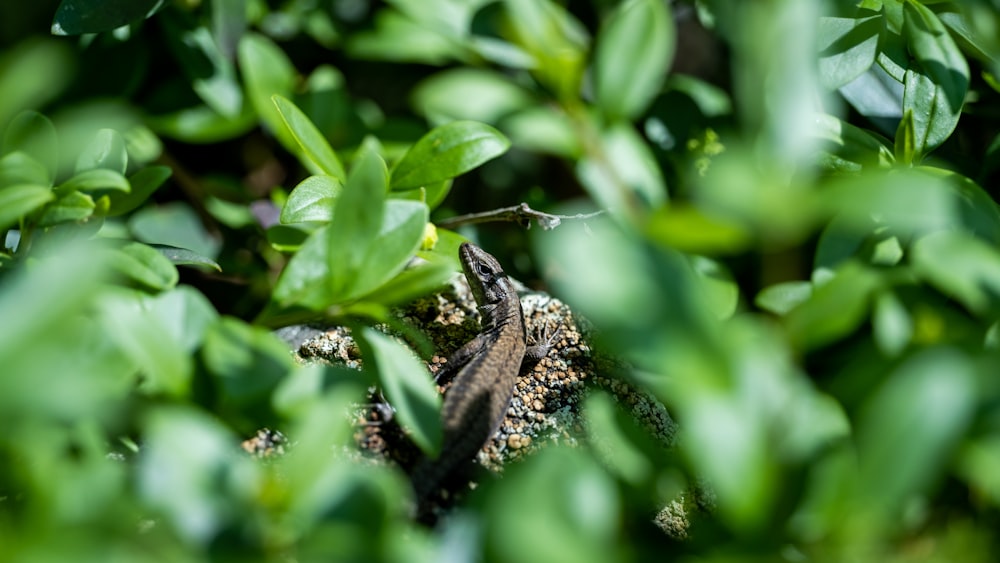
(484, 270)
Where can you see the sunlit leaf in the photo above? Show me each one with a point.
(446, 152)
(312, 200)
(847, 48)
(315, 150)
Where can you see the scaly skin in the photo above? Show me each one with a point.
(487, 369)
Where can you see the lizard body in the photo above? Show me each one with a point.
(485, 370)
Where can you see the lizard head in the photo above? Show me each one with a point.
(484, 274)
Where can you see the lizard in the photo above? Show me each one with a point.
(485, 370)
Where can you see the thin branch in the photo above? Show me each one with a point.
(520, 214)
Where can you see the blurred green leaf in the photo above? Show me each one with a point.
(469, 94)
(95, 180)
(106, 150)
(848, 148)
(314, 151)
(143, 183)
(267, 72)
(144, 265)
(931, 395)
(834, 309)
(202, 124)
(312, 200)
(623, 176)
(632, 56)
(543, 129)
(446, 152)
(613, 443)
(174, 224)
(688, 229)
(145, 338)
(74, 206)
(246, 362)
(74, 17)
(555, 40)
(722, 294)
(31, 74)
(892, 324)
(409, 387)
(562, 508)
(186, 470)
(979, 465)
(961, 267)
(183, 256)
(398, 38)
(847, 48)
(18, 200)
(781, 298)
(49, 342)
(34, 135)
(20, 168)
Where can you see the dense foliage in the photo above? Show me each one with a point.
(799, 256)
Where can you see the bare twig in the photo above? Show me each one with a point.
(520, 214)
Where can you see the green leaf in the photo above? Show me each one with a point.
(34, 72)
(94, 180)
(314, 151)
(543, 129)
(357, 220)
(688, 229)
(932, 395)
(74, 17)
(34, 135)
(267, 71)
(174, 224)
(202, 124)
(834, 309)
(633, 53)
(186, 456)
(934, 87)
(781, 298)
(312, 200)
(847, 48)
(74, 206)
(412, 283)
(398, 239)
(246, 362)
(183, 256)
(398, 38)
(143, 335)
(409, 388)
(722, 294)
(143, 184)
(212, 74)
(106, 150)
(469, 93)
(624, 176)
(21, 199)
(906, 149)
(960, 266)
(20, 168)
(144, 265)
(892, 324)
(446, 152)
